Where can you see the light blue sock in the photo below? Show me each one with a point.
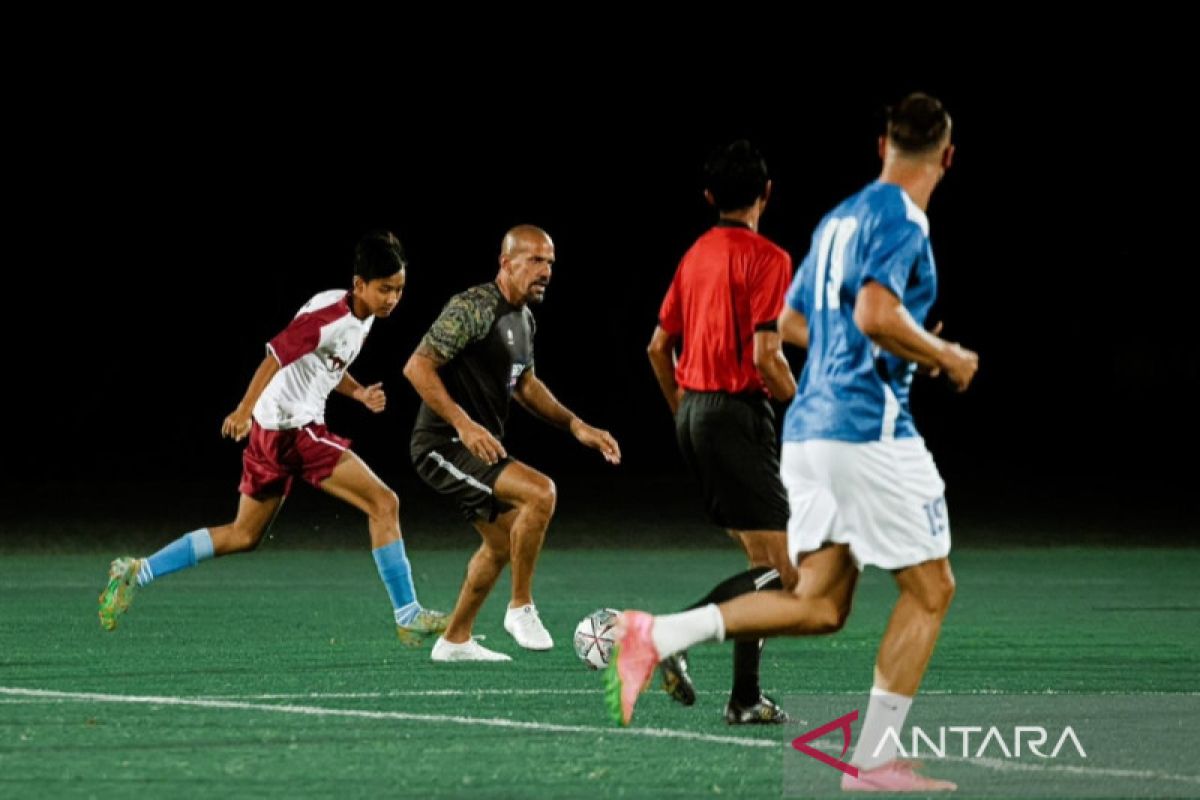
(397, 577)
(186, 551)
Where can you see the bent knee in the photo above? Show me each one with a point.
(936, 595)
(832, 618)
(543, 498)
(818, 615)
(945, 594)
(240, 540)
(497, 552)
(385, 505)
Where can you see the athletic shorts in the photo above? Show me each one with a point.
(273, 458)
(729, 444)
(451, 469)
(885, 500)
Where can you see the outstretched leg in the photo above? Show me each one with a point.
(746, 704)
(254, 517)
(820, 604)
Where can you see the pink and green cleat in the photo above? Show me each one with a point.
(894, 776)
(631, 666)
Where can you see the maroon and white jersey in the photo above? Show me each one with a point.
(314, 352)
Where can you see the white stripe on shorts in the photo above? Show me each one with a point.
(458, 473)
(316, 438)
(765, 578)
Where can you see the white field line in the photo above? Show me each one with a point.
(43, 695)
(315, 711)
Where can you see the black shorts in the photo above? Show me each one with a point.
(729, 444)
(451, 469)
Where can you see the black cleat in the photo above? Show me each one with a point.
(765, 712)
(676, 680)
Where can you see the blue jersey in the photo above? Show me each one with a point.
(850, 389)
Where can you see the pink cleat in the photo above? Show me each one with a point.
(894, 776)
(631, 666)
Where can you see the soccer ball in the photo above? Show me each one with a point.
(594, 637)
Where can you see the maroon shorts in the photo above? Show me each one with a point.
(273, 458)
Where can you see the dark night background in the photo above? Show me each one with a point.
(173, 217)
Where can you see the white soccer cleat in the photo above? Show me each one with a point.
(526, 627)
(470, 650)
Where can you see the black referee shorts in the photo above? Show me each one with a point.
(729, 444)
(451, 469)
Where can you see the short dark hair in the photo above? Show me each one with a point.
(735, 175)
(918, 123)
(379, 254)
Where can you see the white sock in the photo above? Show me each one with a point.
(886, 710)
(674, 632)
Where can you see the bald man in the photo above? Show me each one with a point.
(476, 357)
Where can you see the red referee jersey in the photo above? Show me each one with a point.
(730, 284)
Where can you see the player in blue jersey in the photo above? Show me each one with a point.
(862, 487)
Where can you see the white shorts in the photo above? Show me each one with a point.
(884, 499)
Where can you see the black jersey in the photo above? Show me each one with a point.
(487, 344)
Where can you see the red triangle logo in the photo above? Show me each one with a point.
(843, 722)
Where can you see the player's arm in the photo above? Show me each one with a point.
(768, 284)
(772, 365)
(883, 318)
(793, 327)
(421, 371)
(535, 398)
(370, 396)
(237, 424)
(661, 352)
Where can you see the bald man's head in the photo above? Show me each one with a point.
(526, 256)
(523, 237)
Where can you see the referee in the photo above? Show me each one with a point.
(723, 303)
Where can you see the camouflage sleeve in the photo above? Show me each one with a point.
(465, 319)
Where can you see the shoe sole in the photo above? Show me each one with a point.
(411, 638)
(528, 646)
(775, 721)
(612, 688)
(533, 647)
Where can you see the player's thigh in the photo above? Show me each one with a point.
(829, 572)
(254, 514)
(814, 517)
(353, 481)
(891, 500)
(521, 485)
(450, 469)
(768, 548)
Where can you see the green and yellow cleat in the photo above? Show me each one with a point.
(117, 596)
(425, 624)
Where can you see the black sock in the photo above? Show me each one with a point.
(746, 654)
(743, 583)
